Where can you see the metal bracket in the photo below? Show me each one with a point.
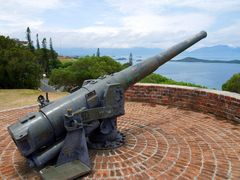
(113, 105)
(42, 101)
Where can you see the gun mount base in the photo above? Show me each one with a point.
(117, 142)
(106, 136)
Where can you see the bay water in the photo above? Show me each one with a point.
(211, 75)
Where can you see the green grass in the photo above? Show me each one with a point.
(64, 60)
(13, 98)
(159, 79)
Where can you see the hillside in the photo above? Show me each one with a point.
(219, 52)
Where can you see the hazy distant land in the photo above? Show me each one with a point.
(191, 59)
(218, 52)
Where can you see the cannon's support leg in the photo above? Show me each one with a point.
(74, 148)
(73, 160)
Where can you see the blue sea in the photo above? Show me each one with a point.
(211, 75)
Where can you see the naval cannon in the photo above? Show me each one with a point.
(87, 118)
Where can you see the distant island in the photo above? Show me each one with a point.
(191, 59)
(122, 59)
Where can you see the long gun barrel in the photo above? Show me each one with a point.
(135, 73)
(40, 135)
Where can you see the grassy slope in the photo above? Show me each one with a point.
(13, 98)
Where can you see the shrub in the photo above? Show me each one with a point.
(233, 84)
(159, 79)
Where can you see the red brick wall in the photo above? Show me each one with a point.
(220, 103)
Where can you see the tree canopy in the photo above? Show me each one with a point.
(98, 52)
(29, 39)
(37, 42)
(22, 66)
(89, 67)
(18, 65)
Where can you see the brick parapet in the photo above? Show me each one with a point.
(220, 103)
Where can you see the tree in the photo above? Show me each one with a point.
(44, 43)
(130, 59)
(53, 61)
(98, 52)
(45, 57)
(18, 66)
(233, 84)
(50, 45)
(28, 36)
(37, 43)
(52, 52)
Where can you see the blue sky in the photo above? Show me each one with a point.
(122, 23)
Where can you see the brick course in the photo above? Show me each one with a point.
(220, 103)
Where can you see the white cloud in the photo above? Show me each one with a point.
(17, 15)
(99, 23)
(141, 23)
(29, 5)
(147, 23)
(135, 6)
(141, 30)
(212, 5)
(230, 35)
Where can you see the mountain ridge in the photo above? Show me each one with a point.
(219, 52)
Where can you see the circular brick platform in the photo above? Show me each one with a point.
(162, 142)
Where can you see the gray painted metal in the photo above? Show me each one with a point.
(70, 170)
(46, 127)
